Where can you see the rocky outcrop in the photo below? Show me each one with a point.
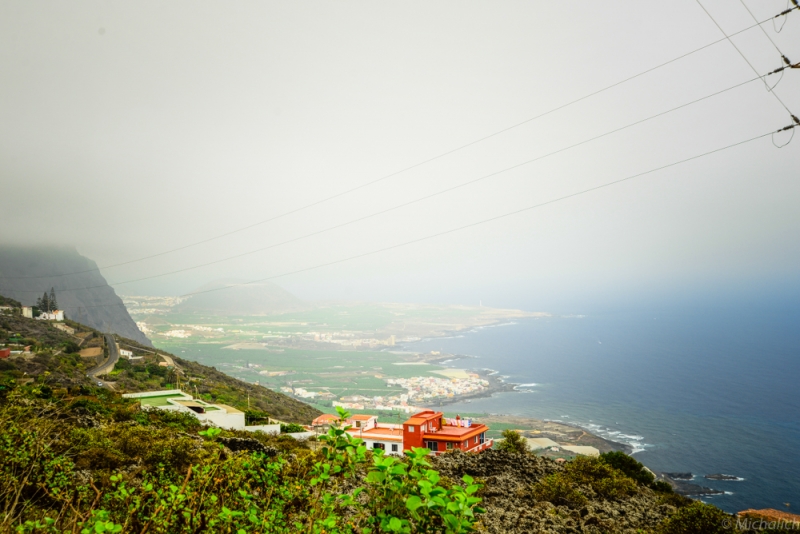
(82, 292)
(511, 507)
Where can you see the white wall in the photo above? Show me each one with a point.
(369, 442)
(144, 394)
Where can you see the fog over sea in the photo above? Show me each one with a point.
(692, 388)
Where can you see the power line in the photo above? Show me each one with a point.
(416, 165)
(762, 28)
(728, 37)
(786, 60)
(420, 199)
(483, 221)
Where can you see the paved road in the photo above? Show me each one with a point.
(108, 365)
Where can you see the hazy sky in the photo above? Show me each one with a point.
(128, 129)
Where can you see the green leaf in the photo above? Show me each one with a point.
(413, 502)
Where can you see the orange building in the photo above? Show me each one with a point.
(427, 429)
(431, 430)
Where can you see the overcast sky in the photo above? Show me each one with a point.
(130, 129)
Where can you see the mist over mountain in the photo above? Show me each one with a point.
(264, 298)
(81, 291)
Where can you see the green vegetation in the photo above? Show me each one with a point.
(47, 303)
(56, 364)
(514, 442)
(698, 518)
(292, 427)
(87, 460)
(342, 372)
(6, 301)
(97, 463)
(569, 487)
(628, 466)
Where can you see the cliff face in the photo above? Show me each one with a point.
(81, 291)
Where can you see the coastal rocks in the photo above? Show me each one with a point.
(679, 476)
(511, 507)
(681, 487)
(722, 477)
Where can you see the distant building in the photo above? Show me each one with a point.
(55, 315)
(323, 421)
(125, 353)
(541, 443)
(27, 311)
(5, 353)
(219, 415)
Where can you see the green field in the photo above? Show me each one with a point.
(343, 372)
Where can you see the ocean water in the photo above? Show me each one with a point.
(712, 391)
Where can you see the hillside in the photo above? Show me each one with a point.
(56, 353)
(206, 382)
(264, 298)
(82, 292)
(91, 461)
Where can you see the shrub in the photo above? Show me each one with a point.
(629, 466)
(674, 499)
(70, 347)
(661, 486)
(557, 489)
(697, 518)
(608, 482)
(513, 442)
(288, 428)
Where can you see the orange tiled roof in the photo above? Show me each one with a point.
(325, 418)
(416, 421)
(770, 515)
(362, 417)
(390, 433)
(456, 433)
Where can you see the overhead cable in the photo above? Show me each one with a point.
(420, 199)
(786, 60)
(728, 37)
(476, 223)
(416, 165)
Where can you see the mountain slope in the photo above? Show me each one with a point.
(85, 297)
(250, 299)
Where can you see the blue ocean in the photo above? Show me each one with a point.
(701, 390)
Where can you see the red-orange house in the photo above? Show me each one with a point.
(429, 429)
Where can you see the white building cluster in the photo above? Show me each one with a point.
(428, 387)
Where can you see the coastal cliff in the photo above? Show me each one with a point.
(82, 292)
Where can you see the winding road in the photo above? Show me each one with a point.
(108, 365)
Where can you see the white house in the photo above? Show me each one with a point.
(55, 315)
(219, 415)
(27, 311)
(386, 436)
